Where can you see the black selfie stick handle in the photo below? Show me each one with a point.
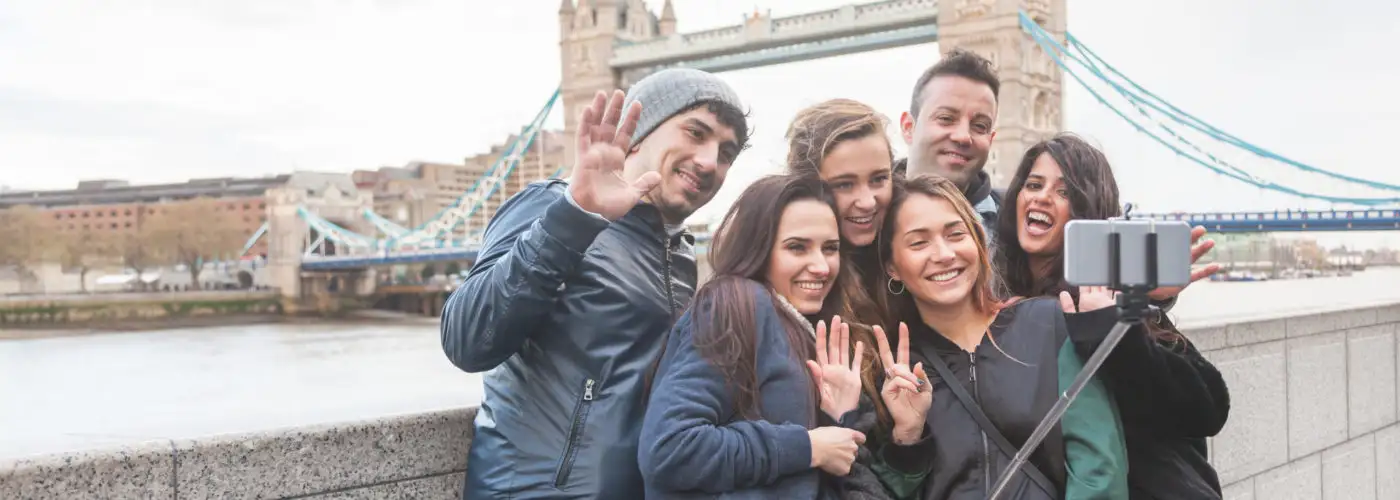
(1133, 304)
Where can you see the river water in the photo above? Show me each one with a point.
(68, 393)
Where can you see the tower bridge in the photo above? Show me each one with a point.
(329, 237)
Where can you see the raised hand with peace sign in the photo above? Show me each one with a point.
(597, 183)
(907, 392)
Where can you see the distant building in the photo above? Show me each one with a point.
(117, 207)
(417, 192)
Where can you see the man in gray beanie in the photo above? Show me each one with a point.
(577, 284)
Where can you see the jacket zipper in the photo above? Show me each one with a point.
(575, 430)
(666, 273)
(986, 453)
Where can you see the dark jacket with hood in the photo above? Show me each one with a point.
(1014, 376)
(1166, 435)
(566, 313)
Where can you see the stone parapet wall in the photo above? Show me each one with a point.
(1313, 405)
(411, 456)
(1314, 415)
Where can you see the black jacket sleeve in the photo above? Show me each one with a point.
(1164, 387)
(535, 241)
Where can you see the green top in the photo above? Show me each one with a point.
(1096, 453)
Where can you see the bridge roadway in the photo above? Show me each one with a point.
(1387, 219)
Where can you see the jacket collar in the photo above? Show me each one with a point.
(647, 217)
(978, 192)
(791, 310)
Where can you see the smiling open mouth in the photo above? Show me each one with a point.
(861, 220)
(815, 286)
(946, 276)
(1038, 222)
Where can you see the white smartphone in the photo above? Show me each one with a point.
(1087, 252)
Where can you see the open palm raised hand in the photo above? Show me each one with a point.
(604, 134)
(835, 371)
(907, 392)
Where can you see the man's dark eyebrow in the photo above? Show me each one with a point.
(953, 109)
(705, 127)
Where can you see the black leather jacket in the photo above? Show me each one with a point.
(566, 313)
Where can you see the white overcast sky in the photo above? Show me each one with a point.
(166, 90)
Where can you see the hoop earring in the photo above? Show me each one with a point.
(890, 286)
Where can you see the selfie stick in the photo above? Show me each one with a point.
(1133, 303)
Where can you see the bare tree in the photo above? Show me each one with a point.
(85, 249)
(144, 248)
(26, 239)
(195, 231)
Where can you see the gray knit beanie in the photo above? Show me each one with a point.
(667, 92)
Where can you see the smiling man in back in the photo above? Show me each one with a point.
(950, 126)
(577, 285)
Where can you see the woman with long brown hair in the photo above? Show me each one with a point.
(1170, 398)
(845, 144)
(996, 368)
(733, 409)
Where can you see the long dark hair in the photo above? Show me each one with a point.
(1093, 194)
(724, 309)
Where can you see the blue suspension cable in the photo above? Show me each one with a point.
(1137, 105)
(1196, 123)
(1031, 27)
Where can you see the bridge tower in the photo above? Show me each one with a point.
(588, 31)
(1030, 100)
(333, 197)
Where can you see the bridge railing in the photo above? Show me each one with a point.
(763, 31)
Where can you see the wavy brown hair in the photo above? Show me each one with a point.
(820, 127)
(813, 133)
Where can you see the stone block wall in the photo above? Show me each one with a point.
(1314, 415)
(1313, 405)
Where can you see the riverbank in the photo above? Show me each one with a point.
(133, 311)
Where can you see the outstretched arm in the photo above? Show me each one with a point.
(533, 244)
(1170, 390)
(538, 238)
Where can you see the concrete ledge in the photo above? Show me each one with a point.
(410, 456)
(1314, 410)
(145, 470)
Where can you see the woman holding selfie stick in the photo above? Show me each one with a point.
(1168, 396)
(994, 368)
